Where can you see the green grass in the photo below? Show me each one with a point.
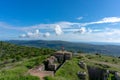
(17, 73)
(68, 71)
(111, 77)
(104, 58)
(18, 70)
(30, 63)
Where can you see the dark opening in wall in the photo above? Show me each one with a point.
(97, 73)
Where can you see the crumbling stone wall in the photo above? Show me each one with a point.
(96, 73)
(82, 64)
(50, 63)
(82, 75)
(52, 67)
(117, 76)
(67, 56)
(60, 57)
(55, 61)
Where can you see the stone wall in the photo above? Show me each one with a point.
(50, 63)
(117, 76)
(67, 56)
(82, 64)
(60, 57)
(96, 73)
(52, 67)
(82, 75)
(63, 55)
(54, 62)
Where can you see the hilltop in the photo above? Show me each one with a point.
(16, 61)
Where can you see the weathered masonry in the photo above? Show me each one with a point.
(54, 62)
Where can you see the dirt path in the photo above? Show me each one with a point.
(40, 74)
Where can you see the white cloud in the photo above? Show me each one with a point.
(110, 20)
(79, 18)
(86, 32)
(82, 30)
(112, 32)
(23, 36)
(90, 30)
(62, 24)
(58, 30)
(104, 20)
(35, 34)
(47, 34)
(108, 35)
(70, 30)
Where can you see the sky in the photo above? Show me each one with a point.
(67, 20)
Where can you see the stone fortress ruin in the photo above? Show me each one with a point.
(54, 62)
(51, 64)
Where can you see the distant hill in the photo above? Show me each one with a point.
(84, 47)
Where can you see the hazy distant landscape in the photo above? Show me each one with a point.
(103, 48)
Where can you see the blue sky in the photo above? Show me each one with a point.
(68, 20)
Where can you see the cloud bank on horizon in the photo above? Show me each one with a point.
(71, 31)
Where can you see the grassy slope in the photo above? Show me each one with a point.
(15, 61)
(18, 70)
(70, 67)
(68, 71)
(113, 63)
